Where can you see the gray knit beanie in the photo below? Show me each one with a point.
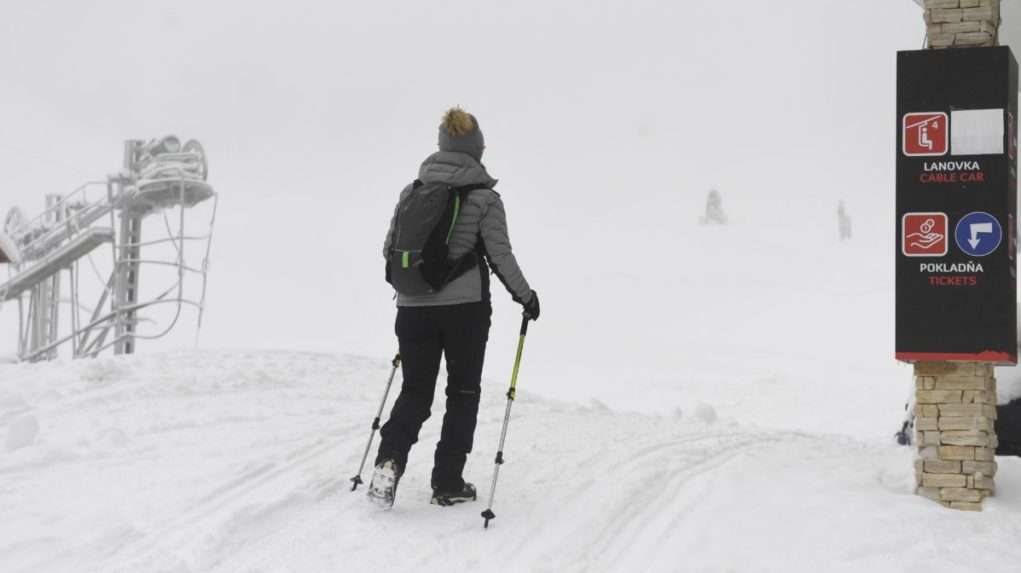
(459, 131)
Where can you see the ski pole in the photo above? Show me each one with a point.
(488, 514)
(357, 480)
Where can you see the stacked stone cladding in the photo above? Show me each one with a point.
(962, 23)
(954, 415)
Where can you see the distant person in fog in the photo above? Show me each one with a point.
(844, 220)
(714, 209)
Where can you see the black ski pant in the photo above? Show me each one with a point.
(459, 333)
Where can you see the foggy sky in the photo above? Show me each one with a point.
(602, 120)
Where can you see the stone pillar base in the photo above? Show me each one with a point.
(954, 413)
(962, 23)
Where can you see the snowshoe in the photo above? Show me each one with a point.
(451, 497)
(383, 487)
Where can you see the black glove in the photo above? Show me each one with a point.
(532, 306)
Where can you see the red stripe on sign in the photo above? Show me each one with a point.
(987, 356)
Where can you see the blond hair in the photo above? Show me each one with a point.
(457, 122)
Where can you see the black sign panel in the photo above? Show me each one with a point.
(957, 205)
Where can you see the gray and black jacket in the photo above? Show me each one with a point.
(481, 227)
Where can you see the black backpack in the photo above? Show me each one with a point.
(417, 263)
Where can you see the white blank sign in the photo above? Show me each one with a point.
(976, 132)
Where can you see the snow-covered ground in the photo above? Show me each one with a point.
(240, 460)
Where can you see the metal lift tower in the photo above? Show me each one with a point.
(159, 177)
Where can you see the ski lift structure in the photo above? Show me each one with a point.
(161, 178)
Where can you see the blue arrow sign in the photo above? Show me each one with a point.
(978, 234)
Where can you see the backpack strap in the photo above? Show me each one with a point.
(460, 194)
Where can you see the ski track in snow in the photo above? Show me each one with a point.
(239, 462)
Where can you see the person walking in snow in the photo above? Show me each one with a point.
(844, 220)
(450, 318)
(714, 209)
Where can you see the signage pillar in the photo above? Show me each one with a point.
(956, 257)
